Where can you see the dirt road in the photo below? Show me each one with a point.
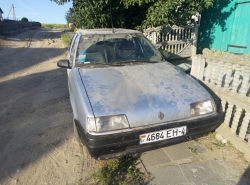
(36, 132)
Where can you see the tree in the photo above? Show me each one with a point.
(96, 14)
(24, 19)
(170, 11)
(139, 14)
(70, 16)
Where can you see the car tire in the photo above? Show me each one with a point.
(87, 159)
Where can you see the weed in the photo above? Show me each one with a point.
(229, 144)
(217, 51)
(119, 171)
(65, 38)
(76, 183)
(220, 52)
(193, 150)
(218, 145)
(212, 135)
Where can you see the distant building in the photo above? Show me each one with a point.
(1, 12)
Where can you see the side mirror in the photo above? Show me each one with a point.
(64, 64)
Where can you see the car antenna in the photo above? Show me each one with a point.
(113, 31)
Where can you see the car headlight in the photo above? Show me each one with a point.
(107, 123)
(201, 108)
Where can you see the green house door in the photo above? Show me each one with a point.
(240, 35)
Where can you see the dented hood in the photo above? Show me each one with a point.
(141, 92)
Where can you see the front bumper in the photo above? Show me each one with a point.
(114, 145)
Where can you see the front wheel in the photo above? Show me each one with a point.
(88, 161)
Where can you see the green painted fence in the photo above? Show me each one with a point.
(226, 27)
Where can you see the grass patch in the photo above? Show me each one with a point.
(193, 150)
(229, 144)
(55, 26)
(218, 145)
(65, 38)
(120, 171)
(212, 135)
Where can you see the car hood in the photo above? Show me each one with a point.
(142, 92)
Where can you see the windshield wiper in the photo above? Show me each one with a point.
(97, 64)
(134, 61)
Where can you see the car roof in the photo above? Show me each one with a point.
(106, 31)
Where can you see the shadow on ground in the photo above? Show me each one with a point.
(35, 119)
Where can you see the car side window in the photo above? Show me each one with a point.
(73, 50)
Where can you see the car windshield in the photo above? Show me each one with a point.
(116, 49)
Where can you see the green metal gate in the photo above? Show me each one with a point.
(226, 27)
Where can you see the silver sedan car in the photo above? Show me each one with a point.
(126, 98)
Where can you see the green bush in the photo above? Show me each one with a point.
(65, 38)
(120, 171)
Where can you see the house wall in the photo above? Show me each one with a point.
(225, 27)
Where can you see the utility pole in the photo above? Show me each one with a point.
(14, 15)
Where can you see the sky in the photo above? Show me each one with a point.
(43, 11)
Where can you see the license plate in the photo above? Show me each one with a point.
(162, 135)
